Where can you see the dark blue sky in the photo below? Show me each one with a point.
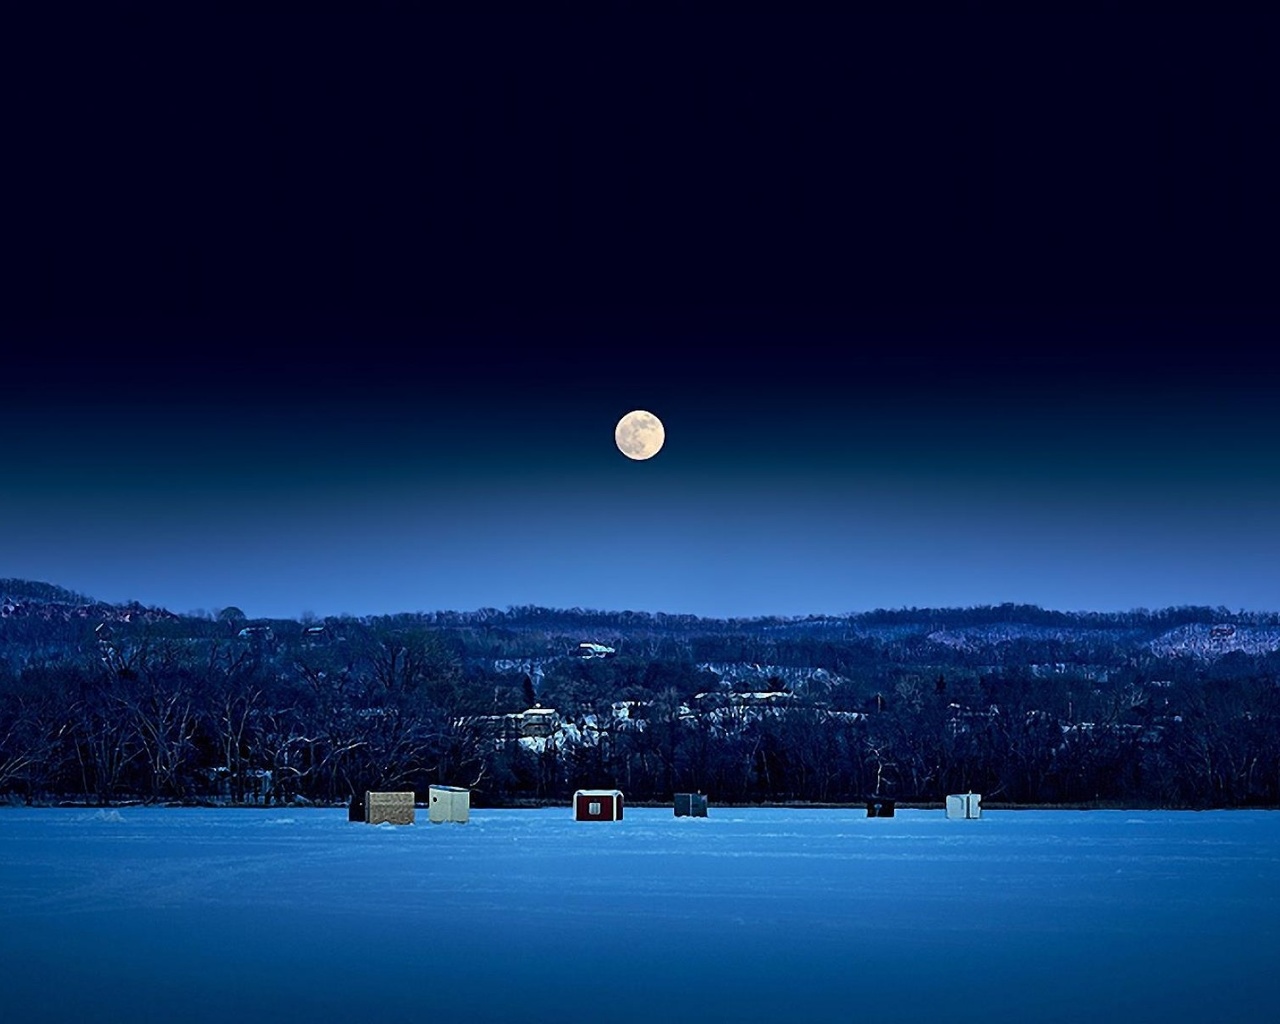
(334, 309)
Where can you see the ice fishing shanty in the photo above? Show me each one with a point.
(388, 808)
(691, 805)
(964, 805)
(597, 805)
(448, 803)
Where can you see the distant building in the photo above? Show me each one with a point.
(313, 635)
(249, 785)
(538, 722)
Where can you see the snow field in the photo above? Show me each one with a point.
(151, 914)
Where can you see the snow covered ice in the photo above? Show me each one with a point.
(163, 914)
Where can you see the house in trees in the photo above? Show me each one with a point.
(246, 785)
(538, 722)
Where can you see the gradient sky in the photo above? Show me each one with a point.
(333, 309)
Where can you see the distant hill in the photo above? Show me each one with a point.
(33, 590)
(1003, 634)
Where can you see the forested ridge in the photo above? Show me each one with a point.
(107, 703)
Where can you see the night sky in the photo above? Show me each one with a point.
(333, 308)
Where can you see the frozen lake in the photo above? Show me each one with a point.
(196, 915)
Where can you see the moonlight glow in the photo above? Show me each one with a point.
(639, 435)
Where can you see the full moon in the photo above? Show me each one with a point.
(639, 434)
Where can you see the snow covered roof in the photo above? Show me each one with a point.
(742, 698)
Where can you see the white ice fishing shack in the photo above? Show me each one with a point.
(964, 805)
(449, 803)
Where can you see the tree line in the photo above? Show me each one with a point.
(123, 704)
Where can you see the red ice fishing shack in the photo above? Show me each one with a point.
(597, 805)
